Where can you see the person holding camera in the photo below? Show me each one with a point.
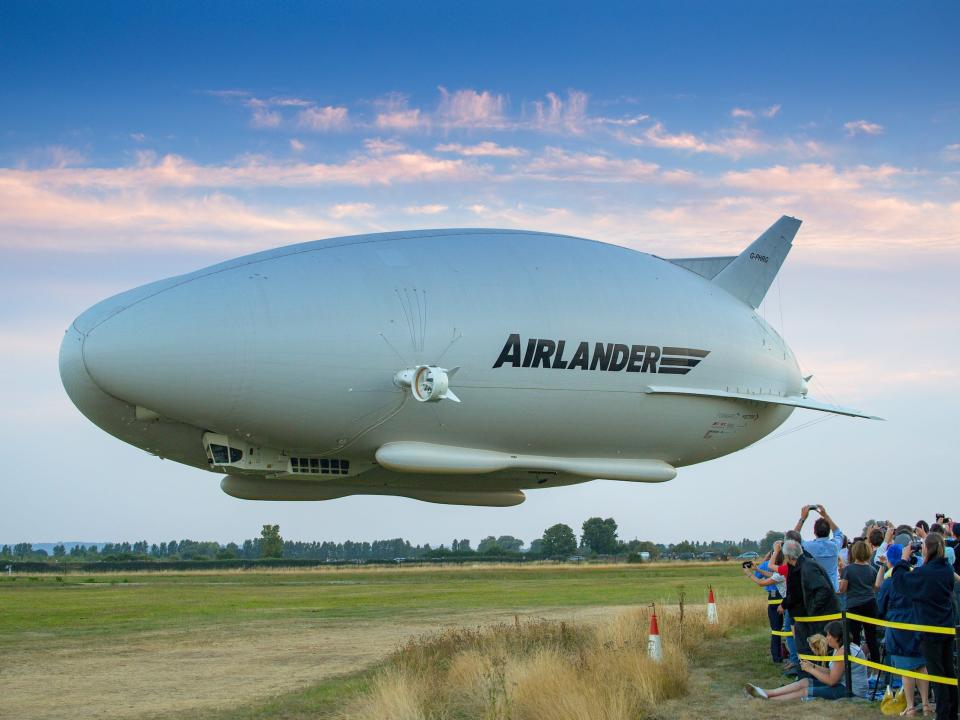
(767, 576)
(856, 585)
(826, 543)
(809, 592)
(903, 646)
(930, 589)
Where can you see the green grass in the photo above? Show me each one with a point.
(102, 605)
(322, 701)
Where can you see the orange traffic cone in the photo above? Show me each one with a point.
(654, 648)
(712, 618)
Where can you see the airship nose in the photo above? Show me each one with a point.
(103, 409)
(164, 349)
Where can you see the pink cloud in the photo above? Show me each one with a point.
(557, 114)
(483, 149)
(324, 119)
(469, 108)
(558, 164)
(855, 127)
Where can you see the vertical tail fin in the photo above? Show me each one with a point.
(750, 274)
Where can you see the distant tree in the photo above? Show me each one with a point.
(600, 535)
(5, 551)
(536, 546)
(488, 544)
(510, 543)
(685, 546)
(766, 545)
(21, 550)
(271, 544)
(59, 551)
(465, 546)
(639, 546)
(558, 541)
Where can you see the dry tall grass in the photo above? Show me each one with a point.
(547, 670)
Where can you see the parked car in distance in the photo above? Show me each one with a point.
(747, 556)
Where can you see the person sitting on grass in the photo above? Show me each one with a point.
(821, 682)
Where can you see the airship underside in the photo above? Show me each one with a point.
(452, 366)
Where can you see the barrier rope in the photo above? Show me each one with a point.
(869, 663)
(902, 626)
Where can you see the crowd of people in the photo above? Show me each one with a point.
(898, 573)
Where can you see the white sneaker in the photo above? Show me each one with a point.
(756, 692)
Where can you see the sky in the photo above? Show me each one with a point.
(143, 140)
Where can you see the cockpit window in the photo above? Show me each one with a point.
(222, 455)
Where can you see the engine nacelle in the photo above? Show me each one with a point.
(427, 383)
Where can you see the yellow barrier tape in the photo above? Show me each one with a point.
(902, 626)
(878, 666)
(782, 633)
(818, 618)
(908, 673)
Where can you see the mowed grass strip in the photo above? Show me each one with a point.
(78, 605)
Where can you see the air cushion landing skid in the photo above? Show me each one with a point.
(247, 487)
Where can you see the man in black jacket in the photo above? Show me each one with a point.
(930, 588)
(809, 593)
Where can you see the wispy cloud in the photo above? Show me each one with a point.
(410, 119)
(735, 144)
(561, 115)
(748, 114)
(558, 164)
(394, 113)
(324, 119)
(296, 145)
(264, 118)
(952, 152)
(483, 149)
(174, 171)
(471, 109)
(434, 209)
(862, 127)
(352, 210)
(808, 178)
(378, 146)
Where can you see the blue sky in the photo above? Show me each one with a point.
(142, 140)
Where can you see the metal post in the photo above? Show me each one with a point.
(847, 669)
(956, 661)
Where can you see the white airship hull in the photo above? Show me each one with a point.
(590, 359)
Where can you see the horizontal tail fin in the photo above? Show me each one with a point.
(750, 274)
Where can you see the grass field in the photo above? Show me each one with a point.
(84, 605)
(284, 644)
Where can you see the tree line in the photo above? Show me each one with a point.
(598, 537)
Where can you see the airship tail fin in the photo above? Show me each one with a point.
(750, 274)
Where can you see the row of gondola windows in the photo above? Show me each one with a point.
(320, 466)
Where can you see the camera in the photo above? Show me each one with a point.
(916, 548)
(746, 564)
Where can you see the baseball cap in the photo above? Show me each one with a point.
(894, 553)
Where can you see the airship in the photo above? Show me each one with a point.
(458, 366)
